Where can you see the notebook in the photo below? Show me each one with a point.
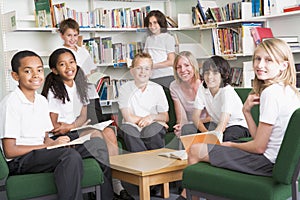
(210, 137)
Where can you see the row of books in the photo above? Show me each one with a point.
(231, 11)
(234, 40)
(227, 40)
(108, 89)
(273, 7)
(104, 51)
(48, 14)
(292, 41)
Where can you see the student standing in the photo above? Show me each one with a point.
(161, 46)
(222, 103)
(24, 127)
(144, 107)
(66, 90)
(274, 90)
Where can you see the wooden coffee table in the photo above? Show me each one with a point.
(147, 168)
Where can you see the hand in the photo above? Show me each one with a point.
(48, 141)
(60, 140)
(252, 99)
(145, 121)
(177, 130)
(63, 128)
(227, 144)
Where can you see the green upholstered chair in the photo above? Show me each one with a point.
(42, 186)
(210, 182)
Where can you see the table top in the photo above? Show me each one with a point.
(146, 162)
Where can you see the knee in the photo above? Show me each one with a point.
(73, 157)
(96, 133)
(110, 134)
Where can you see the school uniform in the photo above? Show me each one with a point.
(142, 103)
(277, 104)
(67, 113)
(86, 63)
(225, 101)
(159, 46)
(28, 122)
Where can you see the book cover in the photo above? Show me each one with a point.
(79, 140)
(291, 8)
(99, 126)
(43, 13)
(202, 13)
(210, 137)
(260, 33)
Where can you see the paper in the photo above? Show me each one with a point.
(180, 154)
(79, 140)
(99, 126)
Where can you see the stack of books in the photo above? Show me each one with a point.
(292, 41)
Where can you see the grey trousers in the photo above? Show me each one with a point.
(151, 137)
(67, 166)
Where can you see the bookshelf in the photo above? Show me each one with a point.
(198, 39)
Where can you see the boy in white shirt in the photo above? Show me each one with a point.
(24, 127)
(144, 107)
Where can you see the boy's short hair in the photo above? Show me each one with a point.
(141, 55)
(220, 65)
(68, 23)
(15, 61)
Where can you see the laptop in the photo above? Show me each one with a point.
(210, 137)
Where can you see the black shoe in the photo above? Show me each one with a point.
(124, 195)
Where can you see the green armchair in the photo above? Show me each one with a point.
(42, 186)
(210, 182)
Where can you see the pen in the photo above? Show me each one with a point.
(86, 123)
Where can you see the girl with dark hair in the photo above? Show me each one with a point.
(222, 103)
(66, 89)
(161, 46)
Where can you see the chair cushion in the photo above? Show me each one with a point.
(232, 184)
(40, 184)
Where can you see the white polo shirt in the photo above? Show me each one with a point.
(151, 101)
(86, 63)
(225, 101)
(277, 104)
(70, 110)
(158, 46)
(23, 120)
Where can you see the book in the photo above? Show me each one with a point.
(43, 13)
(202, 13)
(291, 8)
(260, 33)
(99, 126)
(180, 154)
(171, 22)
(210, 137)
(79, 140)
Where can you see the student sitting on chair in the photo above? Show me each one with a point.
(144, 107)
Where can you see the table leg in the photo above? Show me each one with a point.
(165, 193)
(144, 188)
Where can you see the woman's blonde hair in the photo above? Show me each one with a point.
(193, 62)
(280, 52)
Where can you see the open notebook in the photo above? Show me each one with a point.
(211, 137)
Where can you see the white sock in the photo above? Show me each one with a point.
(117, 186)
